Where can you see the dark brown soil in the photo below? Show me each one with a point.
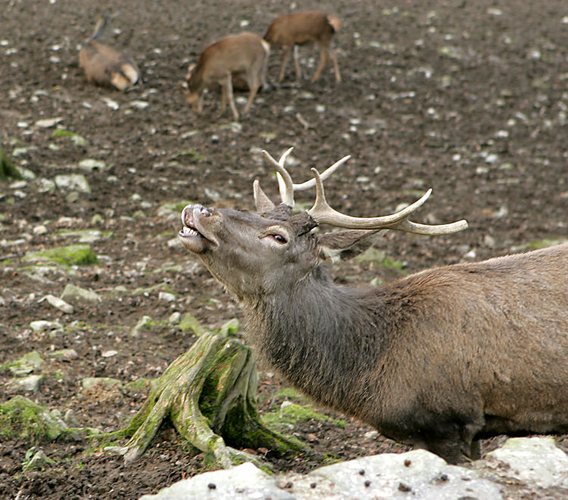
(466, 97)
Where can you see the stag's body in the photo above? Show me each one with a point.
(437, 360)
(303, 28)
(106, 65)
(242, 56)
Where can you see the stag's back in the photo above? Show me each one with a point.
(496, 331)
(301, 28)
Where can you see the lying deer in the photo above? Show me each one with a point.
(302, 28)
(438, 359)
(105, 65)
(243, 56)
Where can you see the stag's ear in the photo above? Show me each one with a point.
(344, 245)
(262, 202)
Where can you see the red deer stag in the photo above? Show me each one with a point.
(438, 359)
(243, 56)
(105, 65)
(302, 28)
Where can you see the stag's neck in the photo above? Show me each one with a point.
(320, 334)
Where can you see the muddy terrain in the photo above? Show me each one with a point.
(469, 98)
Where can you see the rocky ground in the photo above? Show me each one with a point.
(466, 97)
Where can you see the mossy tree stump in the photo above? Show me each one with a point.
(209, 395)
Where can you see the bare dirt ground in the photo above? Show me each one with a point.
(466, 97)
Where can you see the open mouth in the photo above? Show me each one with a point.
(191, 235)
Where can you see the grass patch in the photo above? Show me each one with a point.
(292, 413)
(72, 255)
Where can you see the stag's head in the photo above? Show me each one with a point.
(262, 252)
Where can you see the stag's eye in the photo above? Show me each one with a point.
(278, 238)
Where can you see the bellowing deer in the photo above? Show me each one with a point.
(302, 28)
(105, 65)
(438, 359)
(242, 56)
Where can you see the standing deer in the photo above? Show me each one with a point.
(302, 28)
(243, 56)
(437, 360)
(105, 65)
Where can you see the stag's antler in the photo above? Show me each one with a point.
(286, 186)
(322, 213)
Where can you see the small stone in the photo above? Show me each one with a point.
(48, 122)
(109, 354)
(404, 488)
(105, 382)
(58, 304)
(73, 182)
(75, 294)
(64, 355)
(45, 326)
(39, 230)
(174, 318)
(36, 460)
(31, 383)
(90, 165)
(167, 297)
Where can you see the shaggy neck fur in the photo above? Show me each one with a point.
(320, 335)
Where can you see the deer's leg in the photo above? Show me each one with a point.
(223, 99)
(253, 83)
(229, 90)
(297, 66)
(322, 62)
(333, 54)
(285, 59)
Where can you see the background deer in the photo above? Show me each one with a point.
(244, 56)
(302, 28)
(438, 359)
(105, 65)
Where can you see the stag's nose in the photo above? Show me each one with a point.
(191, 211)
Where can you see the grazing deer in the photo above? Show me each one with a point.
(105, 65)
(438, 359)
(243, 56)
(302, 28)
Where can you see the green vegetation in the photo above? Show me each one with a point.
(26, 364)
(380, 258)
(29, 421)
(538, 244)
(192, 154)
(292, 413)
(7, 169)
(72, 255)
(75, 138)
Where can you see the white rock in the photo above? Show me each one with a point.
(73, 182)
(534, 461)
(74, 294)
(58, 303)
(167, 297)
(48, 122)
(45, 326)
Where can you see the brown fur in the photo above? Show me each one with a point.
(439, 359)
(302, 28)
(242, 56)
(105, 65)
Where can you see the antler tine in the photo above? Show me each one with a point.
(325, 175)
(322, 213)
(285, 184)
